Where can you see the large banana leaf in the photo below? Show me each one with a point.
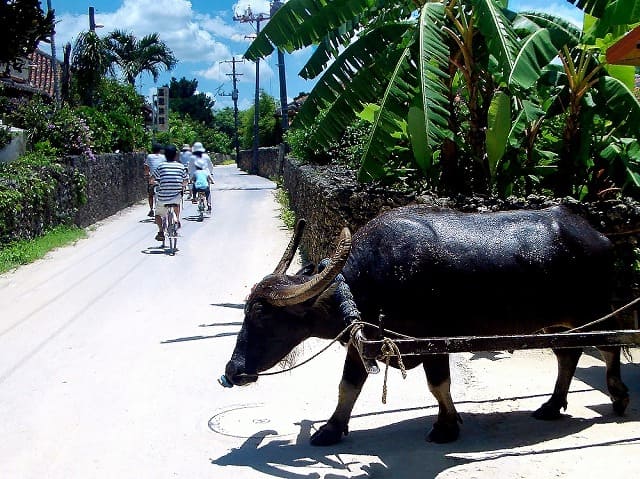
(501, 38)
(300, 23)
(399, 92)
(433, 64)
(619, 105)
(498, 127)
(614, 12)
(358, 77)
(561, 31)
(330, 46)
(427, 118)
(536, 52)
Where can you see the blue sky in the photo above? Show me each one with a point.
(202, 34)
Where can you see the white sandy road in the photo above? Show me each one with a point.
(109, 354)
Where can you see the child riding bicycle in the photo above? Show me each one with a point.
(201, 180)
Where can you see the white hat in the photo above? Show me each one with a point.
(197, 146)
(200, 163)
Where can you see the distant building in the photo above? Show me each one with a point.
(36, 76)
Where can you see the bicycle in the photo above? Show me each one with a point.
(170, 228)
(202, 200)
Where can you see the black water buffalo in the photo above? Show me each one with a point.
(438, 273)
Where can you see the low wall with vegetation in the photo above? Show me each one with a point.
(36, 195)
(113, 182)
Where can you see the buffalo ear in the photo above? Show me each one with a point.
(307, 270)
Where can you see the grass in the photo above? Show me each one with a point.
(287, 215)
(27, 251)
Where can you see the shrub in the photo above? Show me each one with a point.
(28, 196)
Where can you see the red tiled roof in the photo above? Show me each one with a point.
(37, 74)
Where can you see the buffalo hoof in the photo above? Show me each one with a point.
(547, 412)
(443, 433)
(328, 435)
(620, 405)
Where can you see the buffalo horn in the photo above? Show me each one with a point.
(290, 252)
(296, 294)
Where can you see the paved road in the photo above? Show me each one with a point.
(110, 350)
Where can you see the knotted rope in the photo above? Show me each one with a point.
(388, 350)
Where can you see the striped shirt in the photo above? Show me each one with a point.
(169, 175)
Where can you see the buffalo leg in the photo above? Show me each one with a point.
(446, 428)
(567, 363)
(353, 377)
(618, 391)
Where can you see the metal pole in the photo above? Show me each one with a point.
(92, 19)
(256, 113)
(282, 77)
(234, 97)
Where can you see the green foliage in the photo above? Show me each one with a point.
(62, 129)
(224, 121)
(26, 251)
(90, 61)
(347, 150)
(185, 130)
(132, 56)
(287, 215)
(466, 94)
(28, 193)
(24, 25)
(267, 124)
(5, 137)
(185, 100)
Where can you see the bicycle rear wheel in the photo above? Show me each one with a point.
(172, 231)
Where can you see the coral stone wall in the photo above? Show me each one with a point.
(114, 181)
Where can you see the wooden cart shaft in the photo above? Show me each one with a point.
(371, 349)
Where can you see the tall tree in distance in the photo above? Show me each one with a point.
(89, 63)
(186, 100)
(24, 25)
(135, 56)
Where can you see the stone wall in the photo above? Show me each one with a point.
(270, 161)
(330, 198)
(114, 181)
(86, 191)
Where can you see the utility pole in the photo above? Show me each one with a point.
(275, 6)
(54, 64)
(250, 17)
(234, 97)
(92, 20)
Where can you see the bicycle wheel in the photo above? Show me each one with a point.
(173, 233)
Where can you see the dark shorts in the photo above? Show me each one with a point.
(151, 189)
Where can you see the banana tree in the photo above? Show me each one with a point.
(447, 79)
(592, 98)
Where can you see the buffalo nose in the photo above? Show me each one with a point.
(231, 370)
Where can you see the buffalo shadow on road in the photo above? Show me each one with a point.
(400, 450)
